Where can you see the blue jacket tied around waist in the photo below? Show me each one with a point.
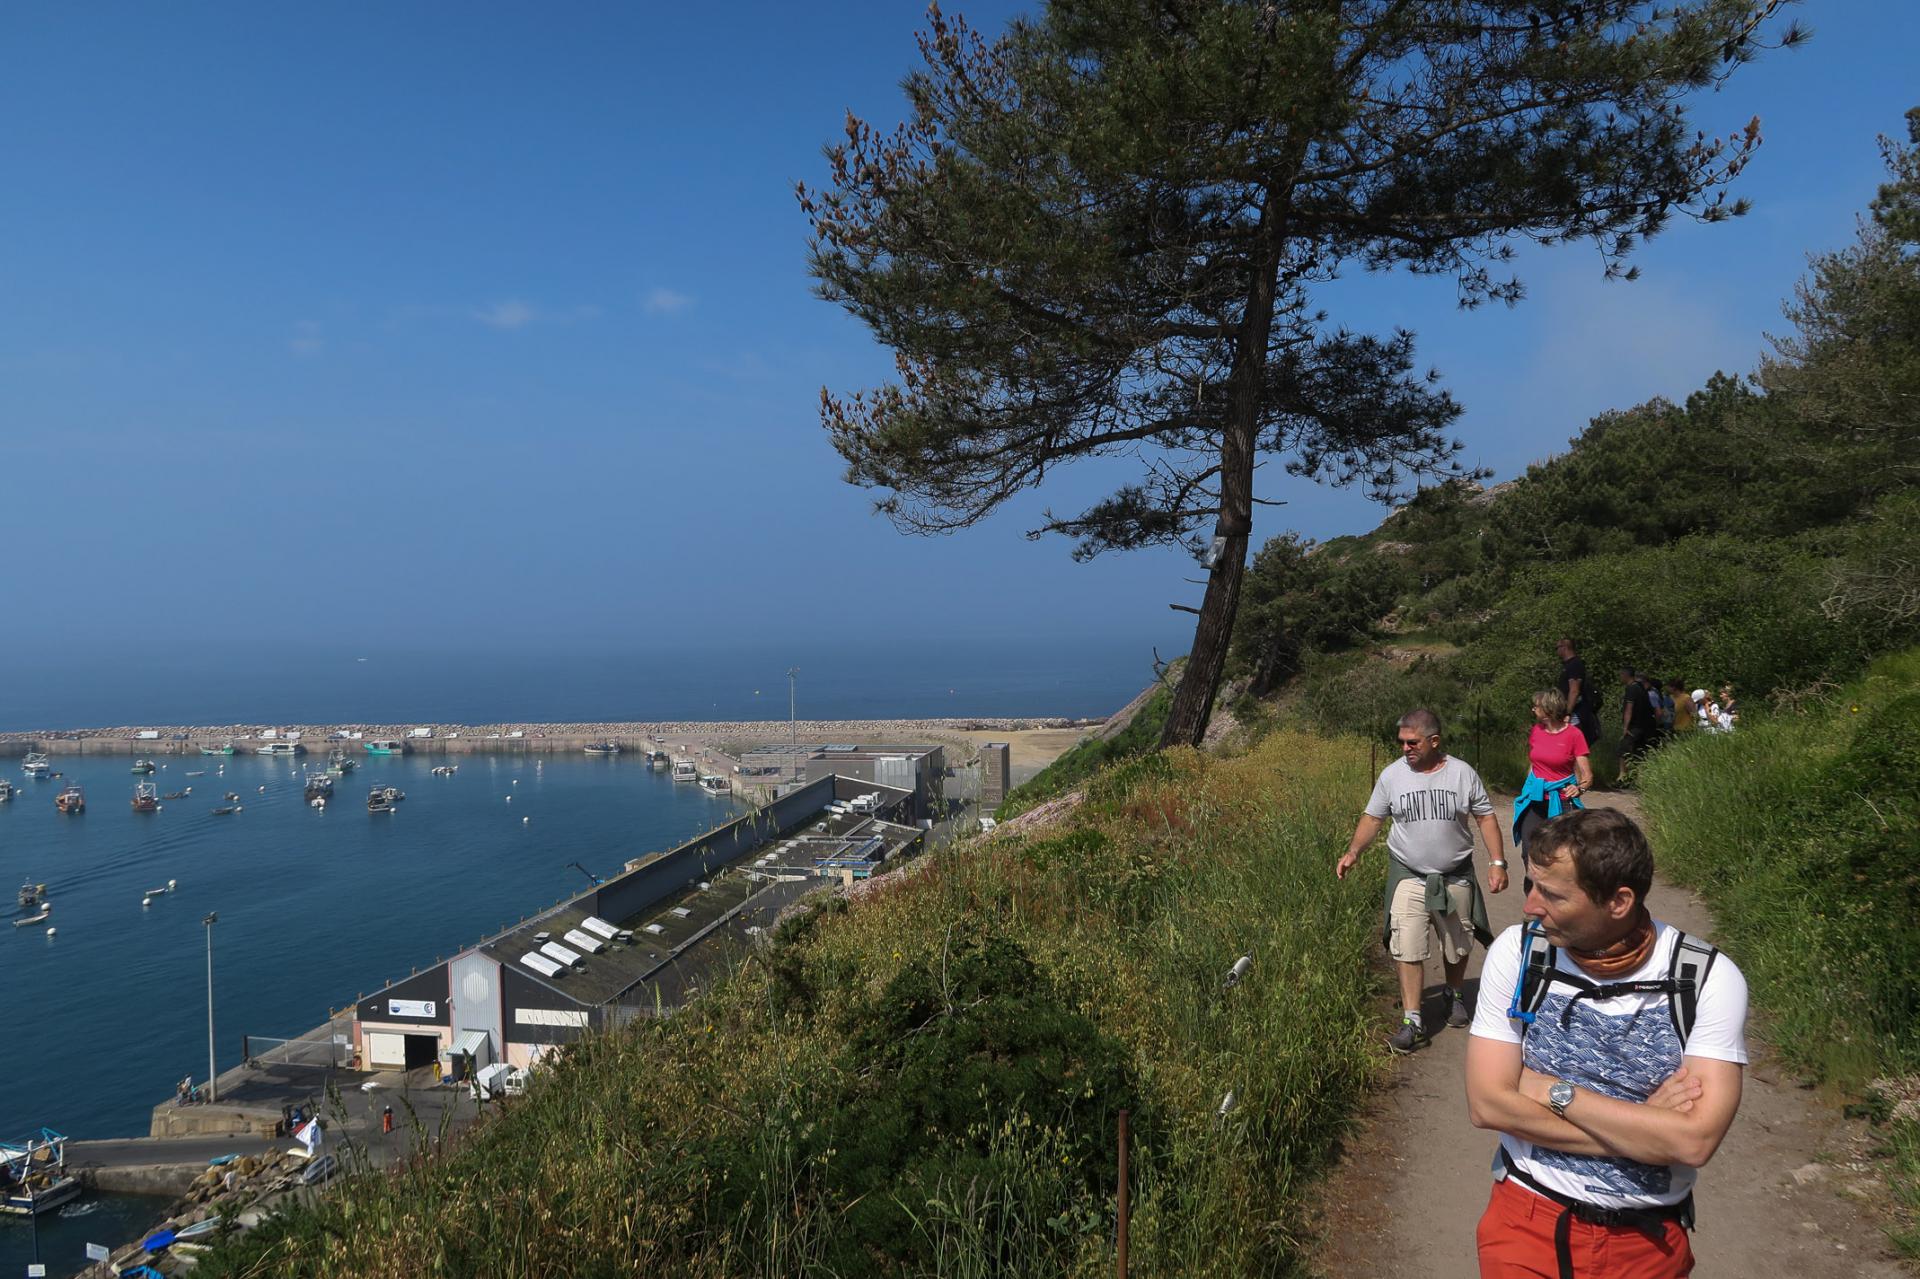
(1539, 788)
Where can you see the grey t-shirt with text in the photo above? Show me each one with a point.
(1432, 812)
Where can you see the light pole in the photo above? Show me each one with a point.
(793, 723)
(211, 919)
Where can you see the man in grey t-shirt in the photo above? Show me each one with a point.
(1431, 888)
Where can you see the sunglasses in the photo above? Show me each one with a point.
(1411, 741)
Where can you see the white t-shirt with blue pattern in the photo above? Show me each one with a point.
(1623, 1047)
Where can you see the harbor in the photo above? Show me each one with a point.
(149, 908)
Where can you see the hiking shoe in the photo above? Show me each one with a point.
(1458, 1014)
(1407, 1038)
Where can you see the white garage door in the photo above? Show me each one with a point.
(386, 1049)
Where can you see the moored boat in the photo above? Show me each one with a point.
(178, 794)
(226, 810)
(6, 790)
(146, 798)
(71, 800)
(36, 764)
(378, 800)
(33, 1174)
(31, 895)
(659, 759)
(715, 784)
(685, 771)
(445, 770)
(319, 786)
(224, 748)
(608, 747)
(30, 920)
(386, 746)
(339, 763)
(141, 766)
(281, 749)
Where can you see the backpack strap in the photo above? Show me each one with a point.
(1687, 973)
(1537, 956)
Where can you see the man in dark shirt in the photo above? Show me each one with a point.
(1636, 720)
(1583, 704)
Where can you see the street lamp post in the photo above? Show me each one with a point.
(793, 724)
(211, 919)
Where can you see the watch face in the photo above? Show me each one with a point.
(1560, 1094)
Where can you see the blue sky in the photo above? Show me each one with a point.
(490, 326)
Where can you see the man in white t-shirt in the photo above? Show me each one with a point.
(1607, 1053)
(1431, 888)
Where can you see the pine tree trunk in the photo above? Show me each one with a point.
(1207, 660)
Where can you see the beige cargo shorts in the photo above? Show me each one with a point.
(1411, 925)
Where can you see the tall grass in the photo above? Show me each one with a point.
(1801, 831)
(927, 1083)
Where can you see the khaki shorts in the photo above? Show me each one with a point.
(1410, 923)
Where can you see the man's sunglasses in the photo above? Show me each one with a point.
(1411, 741)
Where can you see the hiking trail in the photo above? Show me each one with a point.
(1782, 1196)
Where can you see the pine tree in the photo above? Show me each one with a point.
(1103, 233)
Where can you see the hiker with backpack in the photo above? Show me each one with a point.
(1607, 1052)
(1434, 800)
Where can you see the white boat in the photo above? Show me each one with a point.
(715, 784)
(445, 770)
(36, 764)
(604, 748)
(278, 748)
(6, 790)
(684, 771)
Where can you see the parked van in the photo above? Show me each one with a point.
(318, 1169)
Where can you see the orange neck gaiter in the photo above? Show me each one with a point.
(1620, 958)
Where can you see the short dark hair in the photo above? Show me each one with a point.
(1422, 721)
(1609, 852)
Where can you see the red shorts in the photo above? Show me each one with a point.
(1516, 1242)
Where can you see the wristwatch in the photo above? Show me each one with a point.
(1559, 1096)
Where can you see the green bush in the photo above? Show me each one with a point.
(1800, 831)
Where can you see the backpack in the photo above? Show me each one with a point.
(1686, 977)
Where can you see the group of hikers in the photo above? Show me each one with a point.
(1605, 1046)
(1651, 710)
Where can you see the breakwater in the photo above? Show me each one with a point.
(502, 739)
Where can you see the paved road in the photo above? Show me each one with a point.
(123, 1152)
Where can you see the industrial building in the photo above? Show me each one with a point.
(996, 773)
(638, 943)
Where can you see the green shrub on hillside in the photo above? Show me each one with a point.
(1800, 832)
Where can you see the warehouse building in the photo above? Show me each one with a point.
(637, 944)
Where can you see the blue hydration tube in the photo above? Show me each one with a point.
(1514, 1011)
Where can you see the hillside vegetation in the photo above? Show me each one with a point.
(928, 1083)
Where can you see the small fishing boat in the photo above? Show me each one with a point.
(280, 749)
(178, 794)
(227, 810)
(36, 764)
(142, 766)
(224, 748)
(393, 793)
(339, 763)
(319, 786)
(386, 746)
(33, 1174)
(198, 1230)
(198, 773)
(31, 895)
(604, 748)
(715, 784)
(378, 802)
(6, 790)
(445, 770)
(162, 892)
(684, 771)
(30, 920)
(659, 759)
(146, 798)
(71, 800)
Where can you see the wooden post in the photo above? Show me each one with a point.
(1122, 1231)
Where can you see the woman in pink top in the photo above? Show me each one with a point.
(1559, 771)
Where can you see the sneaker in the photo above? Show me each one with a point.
(1458, 1014)
(1407, 1038)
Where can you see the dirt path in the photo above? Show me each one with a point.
(1775, 1200)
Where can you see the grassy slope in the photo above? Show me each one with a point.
(1801, 830)
(926, 1084)
(1142, 734)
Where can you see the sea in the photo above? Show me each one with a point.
(313, 908)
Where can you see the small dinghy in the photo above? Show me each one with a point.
(41, 918)
(226, 809)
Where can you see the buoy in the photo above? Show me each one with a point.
(525, 820)
(49, 932)
(263, 789)
(509, 799)
(516, 781)
(171, 883)
(146, 901)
